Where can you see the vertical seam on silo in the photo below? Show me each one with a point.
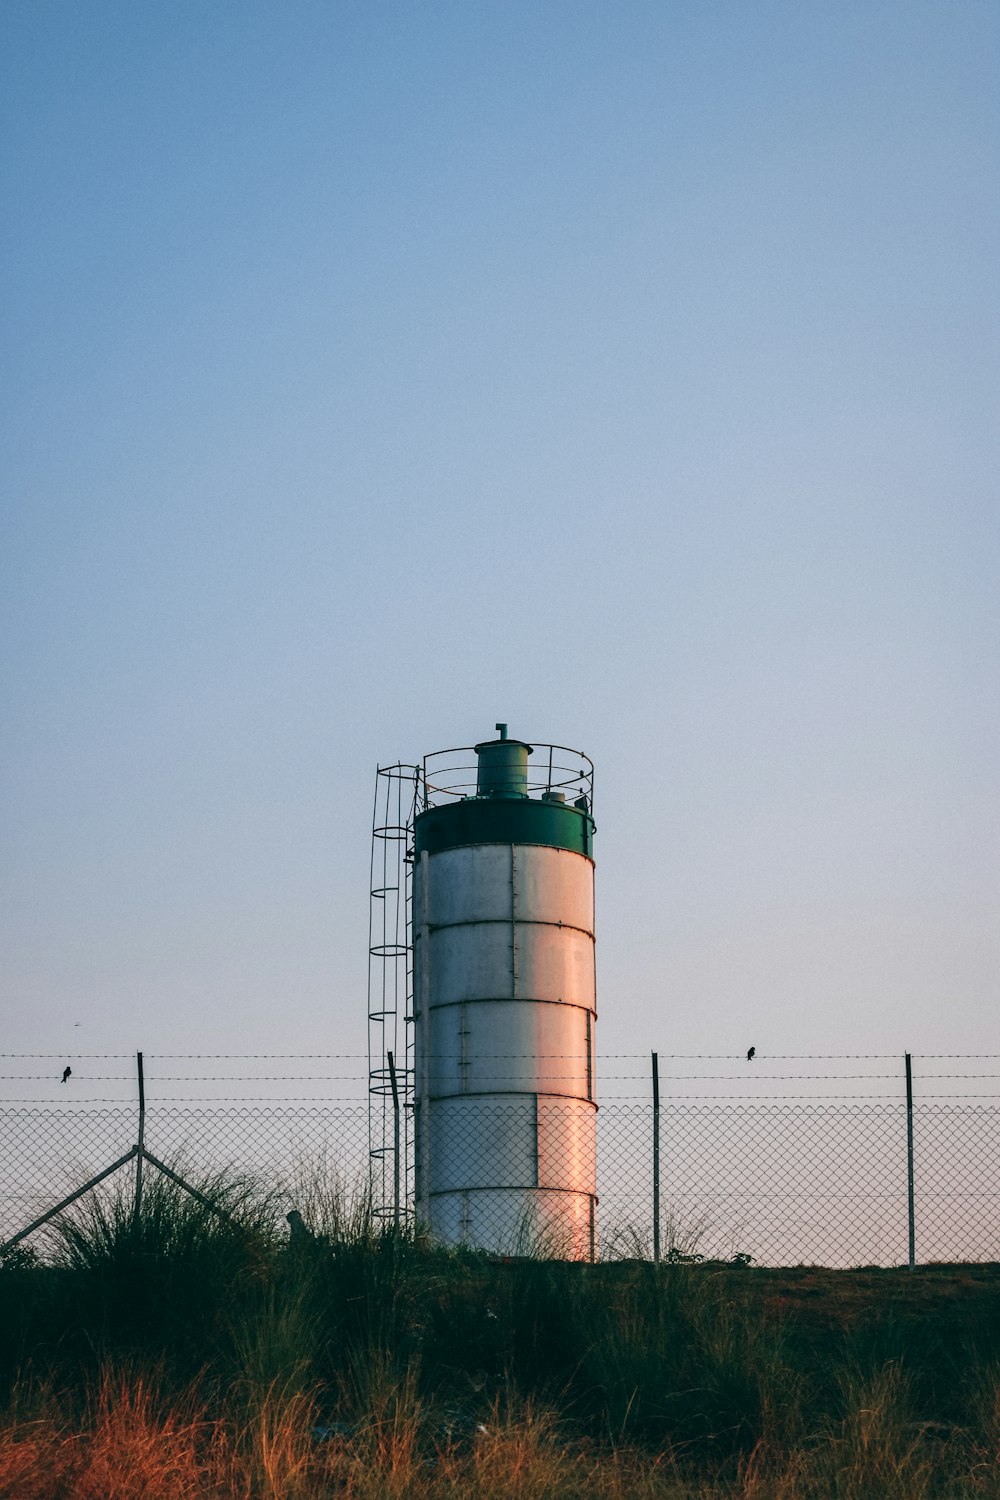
(463, 1043)
(513, 924)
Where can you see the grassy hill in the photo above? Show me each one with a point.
(185, 1354)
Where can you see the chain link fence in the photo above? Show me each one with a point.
(834, 1174)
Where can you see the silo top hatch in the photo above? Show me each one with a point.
(499, 799)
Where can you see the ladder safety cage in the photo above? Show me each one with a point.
(390, 987)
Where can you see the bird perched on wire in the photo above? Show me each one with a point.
(750, 1054)
(66, 1073)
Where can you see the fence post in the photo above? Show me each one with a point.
(911, 1222)
(656, 1159)
(395, 1143)
(141, 1145)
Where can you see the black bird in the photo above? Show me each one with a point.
(750, 1054)
(66, 1073)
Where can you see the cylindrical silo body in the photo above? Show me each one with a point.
(504, 1008)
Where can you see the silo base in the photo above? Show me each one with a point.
(558, 1225)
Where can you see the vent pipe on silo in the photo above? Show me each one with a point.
(502, 767)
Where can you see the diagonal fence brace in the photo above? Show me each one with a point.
(87, 1186)
(139, 1155)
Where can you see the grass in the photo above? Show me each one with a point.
(185, 1354)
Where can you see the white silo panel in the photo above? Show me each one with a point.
(563, 1224)
(448, 1220)
(542, 1048)
(513, 1223)
(481, 1046)
(553, 885)
(553, 963)
(469, 963)
(521, 1223)
(475, 882)
(448, 1048)
(445, 1070)
(502, 1223)
(567, 1144)
(494, 960)
(474, 885)
(484, 1142)
(467, 885)
(488, 1045)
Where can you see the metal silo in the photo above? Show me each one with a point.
(503, 998)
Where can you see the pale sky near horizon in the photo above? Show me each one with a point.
(627, 372)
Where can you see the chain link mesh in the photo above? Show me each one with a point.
(780, 1183)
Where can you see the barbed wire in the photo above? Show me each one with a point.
(194, 1077)
(498, 1080)
(609, 1056)
(130, 1106)
(757, 1078)
(195, 1056)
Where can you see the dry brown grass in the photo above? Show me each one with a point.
(126, 1444)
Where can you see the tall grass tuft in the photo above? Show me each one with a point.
(273, 1447)
(160, 1285)
(985, 1405)
(677, 1358)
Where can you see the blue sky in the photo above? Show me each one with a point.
(625, 372)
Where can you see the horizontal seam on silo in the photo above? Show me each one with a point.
(510, 1093)
(509, 1187)
(511, 844)
(512, 1000)
(506, 922)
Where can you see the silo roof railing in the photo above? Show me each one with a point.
(554, 771)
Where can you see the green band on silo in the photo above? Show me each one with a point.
(502, 821)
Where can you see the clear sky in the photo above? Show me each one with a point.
(625, 371)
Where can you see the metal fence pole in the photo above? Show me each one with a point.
(656, 1159)
(395, 1142)
(141, 1145)
(909, 1163)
